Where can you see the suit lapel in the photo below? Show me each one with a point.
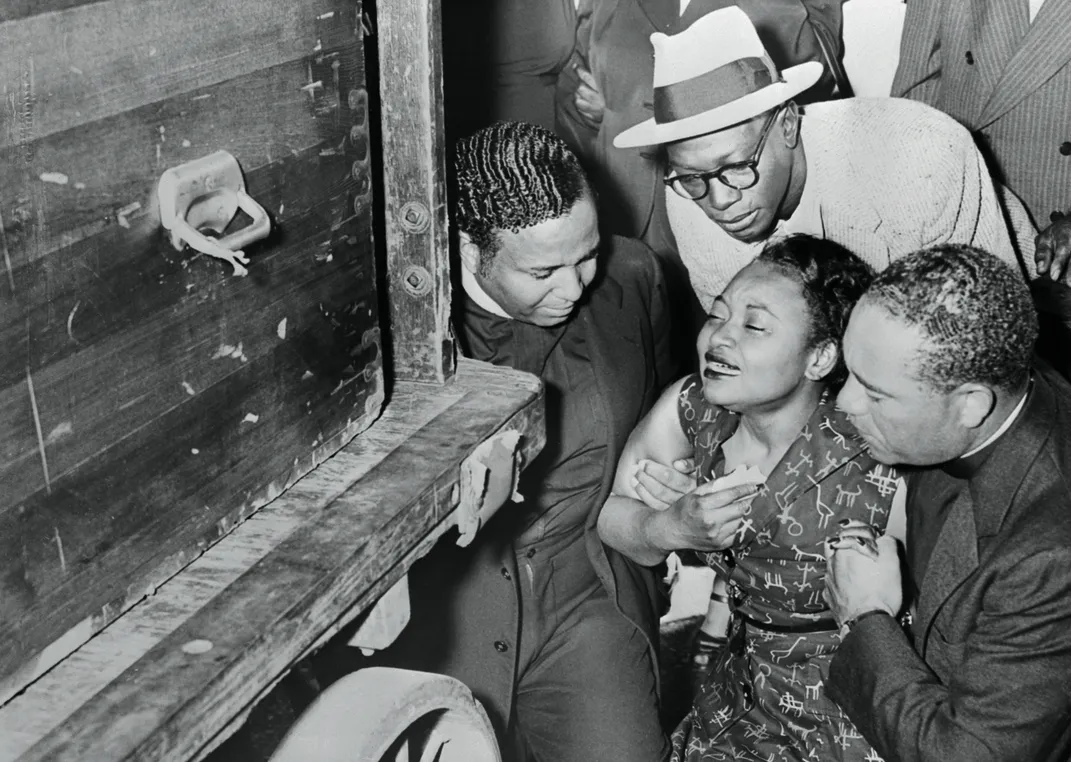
(980, 510)
(997, 29)
(662, 15)
(1044, 50)
(611, 349)
(955, 557)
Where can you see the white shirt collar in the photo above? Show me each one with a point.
(1003, 427)
(478, 295)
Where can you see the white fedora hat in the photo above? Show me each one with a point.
(712, 75)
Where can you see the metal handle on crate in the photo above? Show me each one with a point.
(205, 194)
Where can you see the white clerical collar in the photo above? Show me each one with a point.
(1004, 426)
(478, 295)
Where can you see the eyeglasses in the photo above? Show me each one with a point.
(739, 176)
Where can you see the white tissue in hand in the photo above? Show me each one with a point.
(742, 475)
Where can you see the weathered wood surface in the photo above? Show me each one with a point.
(279, 584)
(414, 182)
(149, 400)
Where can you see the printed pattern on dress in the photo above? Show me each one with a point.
(765, 698)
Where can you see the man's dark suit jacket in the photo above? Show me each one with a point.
(467, 604)
(988, 676)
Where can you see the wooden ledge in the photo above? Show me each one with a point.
(178, 672)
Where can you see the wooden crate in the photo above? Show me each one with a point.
(176, 674)
(149, 399)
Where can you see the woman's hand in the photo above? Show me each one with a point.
(589, 101)
(705, 519)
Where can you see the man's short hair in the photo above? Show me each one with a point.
(974, 311)
(511, 176)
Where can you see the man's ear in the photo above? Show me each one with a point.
(974, 403)
(823, 360)
(470, 252)
(790, 124)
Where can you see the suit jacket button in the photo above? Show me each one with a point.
(506, 574)
(1065, 148)
(501, 646)
(970, 58)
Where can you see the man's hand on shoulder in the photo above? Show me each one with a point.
(659, 485)
(1053, 250)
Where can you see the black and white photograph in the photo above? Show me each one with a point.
(535, 381)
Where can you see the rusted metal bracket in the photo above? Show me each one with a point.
(488, 480)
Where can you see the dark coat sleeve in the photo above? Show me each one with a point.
(568, 123)
(638, 269)
(1007, 697)
(667, 369)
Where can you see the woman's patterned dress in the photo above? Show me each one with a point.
(765, 698)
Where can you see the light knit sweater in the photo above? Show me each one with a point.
(885, 177)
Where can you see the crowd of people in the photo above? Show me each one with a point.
(787, 333)
(784, 332)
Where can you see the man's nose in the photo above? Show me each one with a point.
(720, 196)
(850, 397)
(572, 284)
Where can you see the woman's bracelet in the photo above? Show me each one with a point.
(719, 598)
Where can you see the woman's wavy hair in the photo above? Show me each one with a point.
(832, 278)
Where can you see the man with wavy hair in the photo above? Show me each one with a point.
(555, 634)
(942, 378)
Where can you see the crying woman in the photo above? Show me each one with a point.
(770, 367)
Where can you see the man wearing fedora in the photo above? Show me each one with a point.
(882, 177)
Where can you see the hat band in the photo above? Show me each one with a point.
(713, 89)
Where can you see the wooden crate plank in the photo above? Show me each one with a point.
(414, 172)
(12, 10)
(92, 281)
(132, 271)
(84, 63)
(48, 702)
(114, 185)
(275, 612)
(134, 442)
(158, 355)
(185, 481)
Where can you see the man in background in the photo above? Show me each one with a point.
(1002, 68)
(882, 177)
(555, 634)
